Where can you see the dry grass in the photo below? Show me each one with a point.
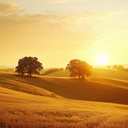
(96, 89)
(42, 109)
(14, 82)
(98, 72)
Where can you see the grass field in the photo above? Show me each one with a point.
(97, 72)
(61, 102)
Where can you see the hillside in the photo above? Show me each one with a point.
(62, 102)
(17, 83)
(99, 72)
(95, 89)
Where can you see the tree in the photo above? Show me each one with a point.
(79, 68)
(29, 65)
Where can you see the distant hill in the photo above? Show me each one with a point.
(62, 73)
(51, 70)
(5, 69)
(97, 72)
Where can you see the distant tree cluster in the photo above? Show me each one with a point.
(78, 68)
(29, 65)
(118, 67)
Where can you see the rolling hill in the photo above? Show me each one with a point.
(61, 102)
(97, 72)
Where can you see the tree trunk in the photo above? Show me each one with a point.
(30, 74)
(22, 74)
(83, 77)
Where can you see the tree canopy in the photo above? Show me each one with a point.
(29, 65)
(79, 68)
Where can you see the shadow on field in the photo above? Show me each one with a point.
(92, 90)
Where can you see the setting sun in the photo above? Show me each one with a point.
(102, 59)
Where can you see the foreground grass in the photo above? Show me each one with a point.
(21, 110)
(26, 103)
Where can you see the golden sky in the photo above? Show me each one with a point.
(57, 31)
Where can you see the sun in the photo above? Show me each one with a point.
(102, 59)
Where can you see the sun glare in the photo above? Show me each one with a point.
(102, 59)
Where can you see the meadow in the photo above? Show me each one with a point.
(62, 102)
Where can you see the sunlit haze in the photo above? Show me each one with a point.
(102, 59)
(57, 31)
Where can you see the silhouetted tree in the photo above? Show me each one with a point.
(29, 65)
(79, 68)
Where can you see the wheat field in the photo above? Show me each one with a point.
(52, 102)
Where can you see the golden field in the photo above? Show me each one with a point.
(62, 102)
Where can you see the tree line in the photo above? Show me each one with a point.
(31, 65)
(118, 67)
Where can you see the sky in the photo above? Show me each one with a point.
(57, 31)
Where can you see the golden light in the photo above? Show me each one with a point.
(102, 59)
